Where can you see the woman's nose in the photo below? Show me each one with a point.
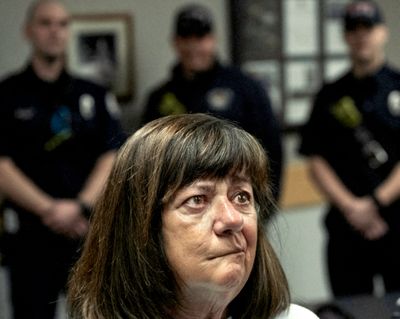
(228, 218)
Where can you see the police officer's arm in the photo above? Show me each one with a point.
(62, 216)
(389, 190)
(97, 178)
(360, 212)
(16, 186)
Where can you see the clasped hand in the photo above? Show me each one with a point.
(64, 216)
(363, 215)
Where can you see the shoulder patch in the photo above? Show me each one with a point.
(86, 106)
(393, 102)
(220, 99)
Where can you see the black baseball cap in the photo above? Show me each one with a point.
(193, 20)
(365, 13)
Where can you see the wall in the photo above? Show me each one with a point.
(301, 238)
(391, 10)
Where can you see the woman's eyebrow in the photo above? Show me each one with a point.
(202, 185)
(240, 179)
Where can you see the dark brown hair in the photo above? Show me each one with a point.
(123, 271)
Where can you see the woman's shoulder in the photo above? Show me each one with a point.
(296, 312)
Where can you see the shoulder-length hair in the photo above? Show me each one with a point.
(123, 270)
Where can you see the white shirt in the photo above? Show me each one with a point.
(296, 312)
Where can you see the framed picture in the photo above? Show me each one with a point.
(100, 49)
(300, 28)
(333, 26)
(301, 77)
(256, 30)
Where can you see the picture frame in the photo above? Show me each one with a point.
(100, 50)
(256, 30)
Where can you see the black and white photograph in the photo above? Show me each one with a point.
(100, 50)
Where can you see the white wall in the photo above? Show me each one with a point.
(299, 240)
(302, 237)
(391, 10)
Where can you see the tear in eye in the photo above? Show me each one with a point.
(243, 198)
(196, 200)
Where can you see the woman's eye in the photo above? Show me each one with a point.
(243, 198)
(196, 201)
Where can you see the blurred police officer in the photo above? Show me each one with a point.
(58, 139)
(352, 141)
(200, 83)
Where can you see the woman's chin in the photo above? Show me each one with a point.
(233, 275)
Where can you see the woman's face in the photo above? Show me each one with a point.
(210, 234)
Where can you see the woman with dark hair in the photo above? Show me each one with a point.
(178, 232)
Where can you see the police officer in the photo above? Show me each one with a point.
(58, 140)
(201, 84)
(352, 144)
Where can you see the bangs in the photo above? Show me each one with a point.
(212, 150)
